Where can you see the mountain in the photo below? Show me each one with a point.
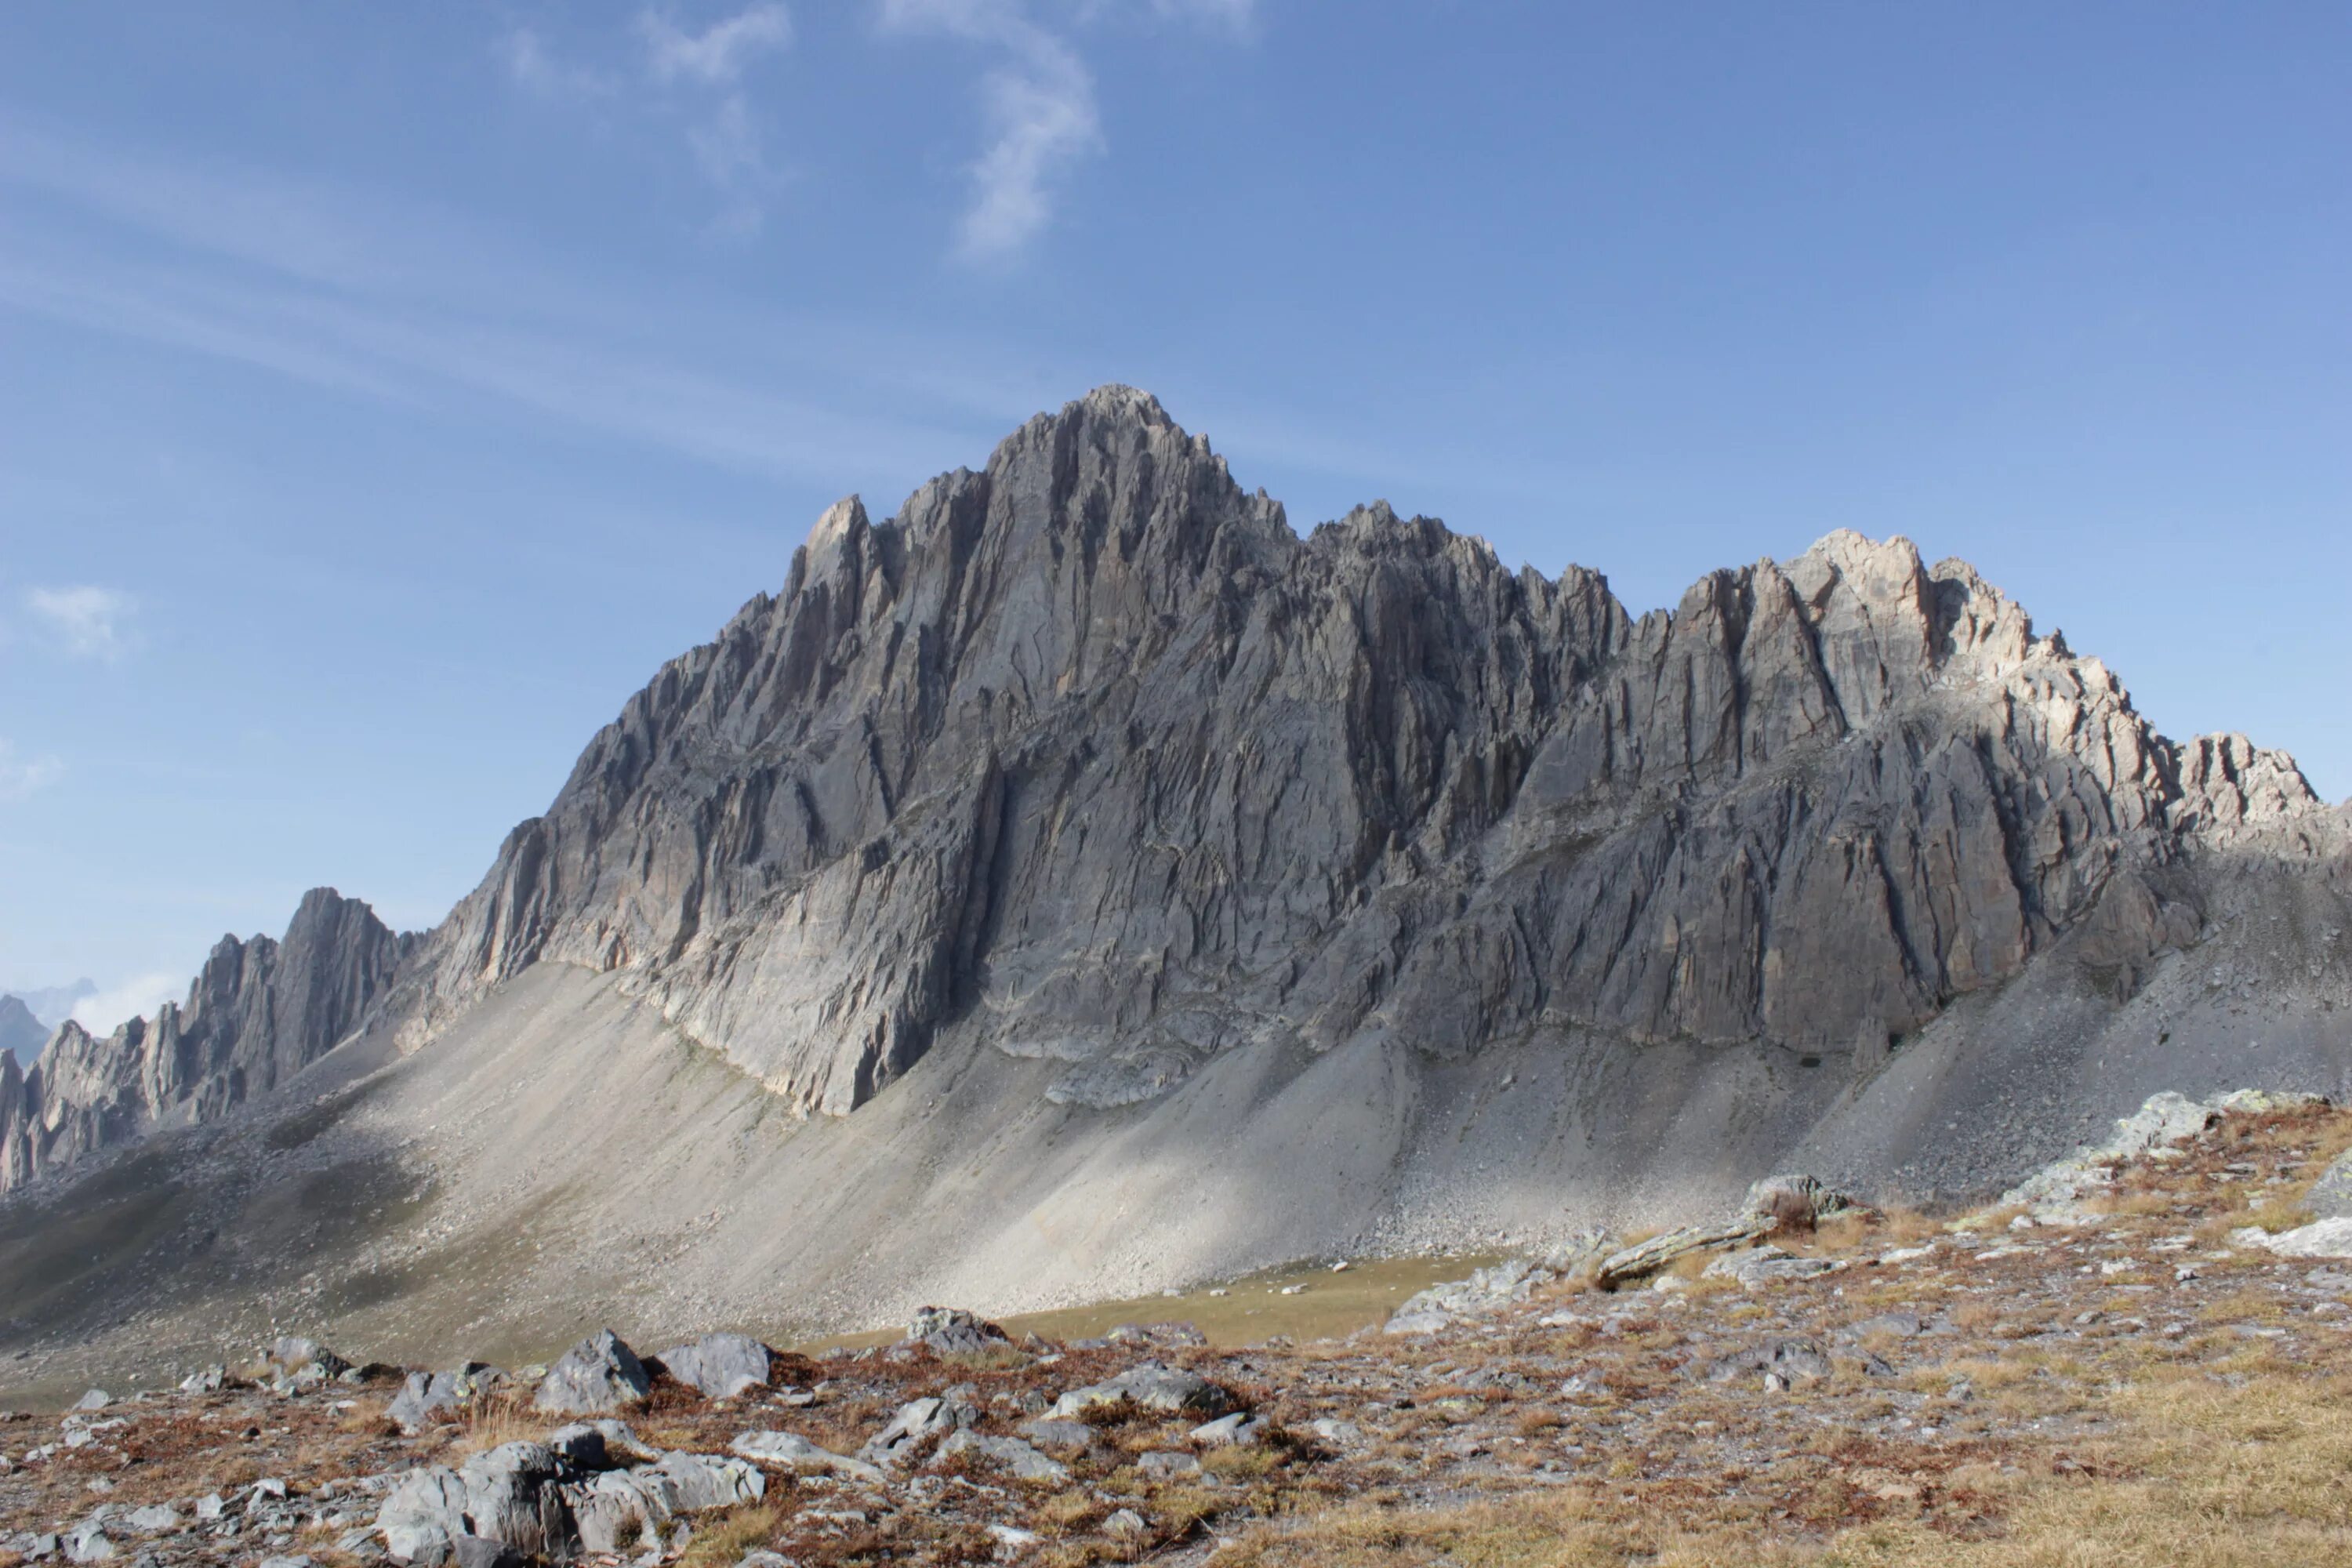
(53, 1005)
(20, 1031)
(1081, 882)
(259, 1013)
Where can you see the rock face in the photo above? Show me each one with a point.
(259, 1013)
(1092, 742)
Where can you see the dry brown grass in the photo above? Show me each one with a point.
(720, 1540)
(503, 1417)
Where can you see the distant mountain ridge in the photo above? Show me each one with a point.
(1126, 828)
(20, 1031)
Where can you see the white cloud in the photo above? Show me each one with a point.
(1042, 120)
(23, 776)
(1041, 116)
(716, 55)
(140, 996)
(86, 622)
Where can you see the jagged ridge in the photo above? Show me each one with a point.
(1090, 753)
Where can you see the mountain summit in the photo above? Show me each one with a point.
(1082, 841)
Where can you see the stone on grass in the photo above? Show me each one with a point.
(1024, 1462)
(1788, 1362)
(2321, 1238)
(952, 1330)
(915, 1421)
(1163, 1390)
(1238, 1428)
(790, 1449)
(1645, 1259)
(428, 1395)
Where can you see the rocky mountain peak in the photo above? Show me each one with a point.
(1086, 756)
(258, 1013)
(1089, 751)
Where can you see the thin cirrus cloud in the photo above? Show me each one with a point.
(85, 621)
(717, 53)
(697, 73)
(1038, 105)
(22, 776)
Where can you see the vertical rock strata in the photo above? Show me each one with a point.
(1091, 750)
(259, 1013)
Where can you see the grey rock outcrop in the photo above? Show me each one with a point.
(260, 1012)
(599, 1374)
(1149, 1385)
(719, 1367)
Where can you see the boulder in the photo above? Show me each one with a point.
(1024, 1462)
(426, 1396)
(916, 1420)
(1794, 1202)
(2321, 1238)
(512, 1498)
(790, 1449)
(598, 1374)
(421, 1516)
(1790, 1361)
(640, 1501)
(2331, 1196)
(1768, 1266)
(720, 1366)
(1648, 1258)
(1150, 1385)
(952, 1330)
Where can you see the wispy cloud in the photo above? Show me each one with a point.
(402, 305)
(716, 55)
(85, 621)
(23, 776)
(533, 66)
(1039, 107)
(686, 79)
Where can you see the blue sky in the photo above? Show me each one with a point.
(386, 390)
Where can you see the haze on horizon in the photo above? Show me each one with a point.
(386, 394)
